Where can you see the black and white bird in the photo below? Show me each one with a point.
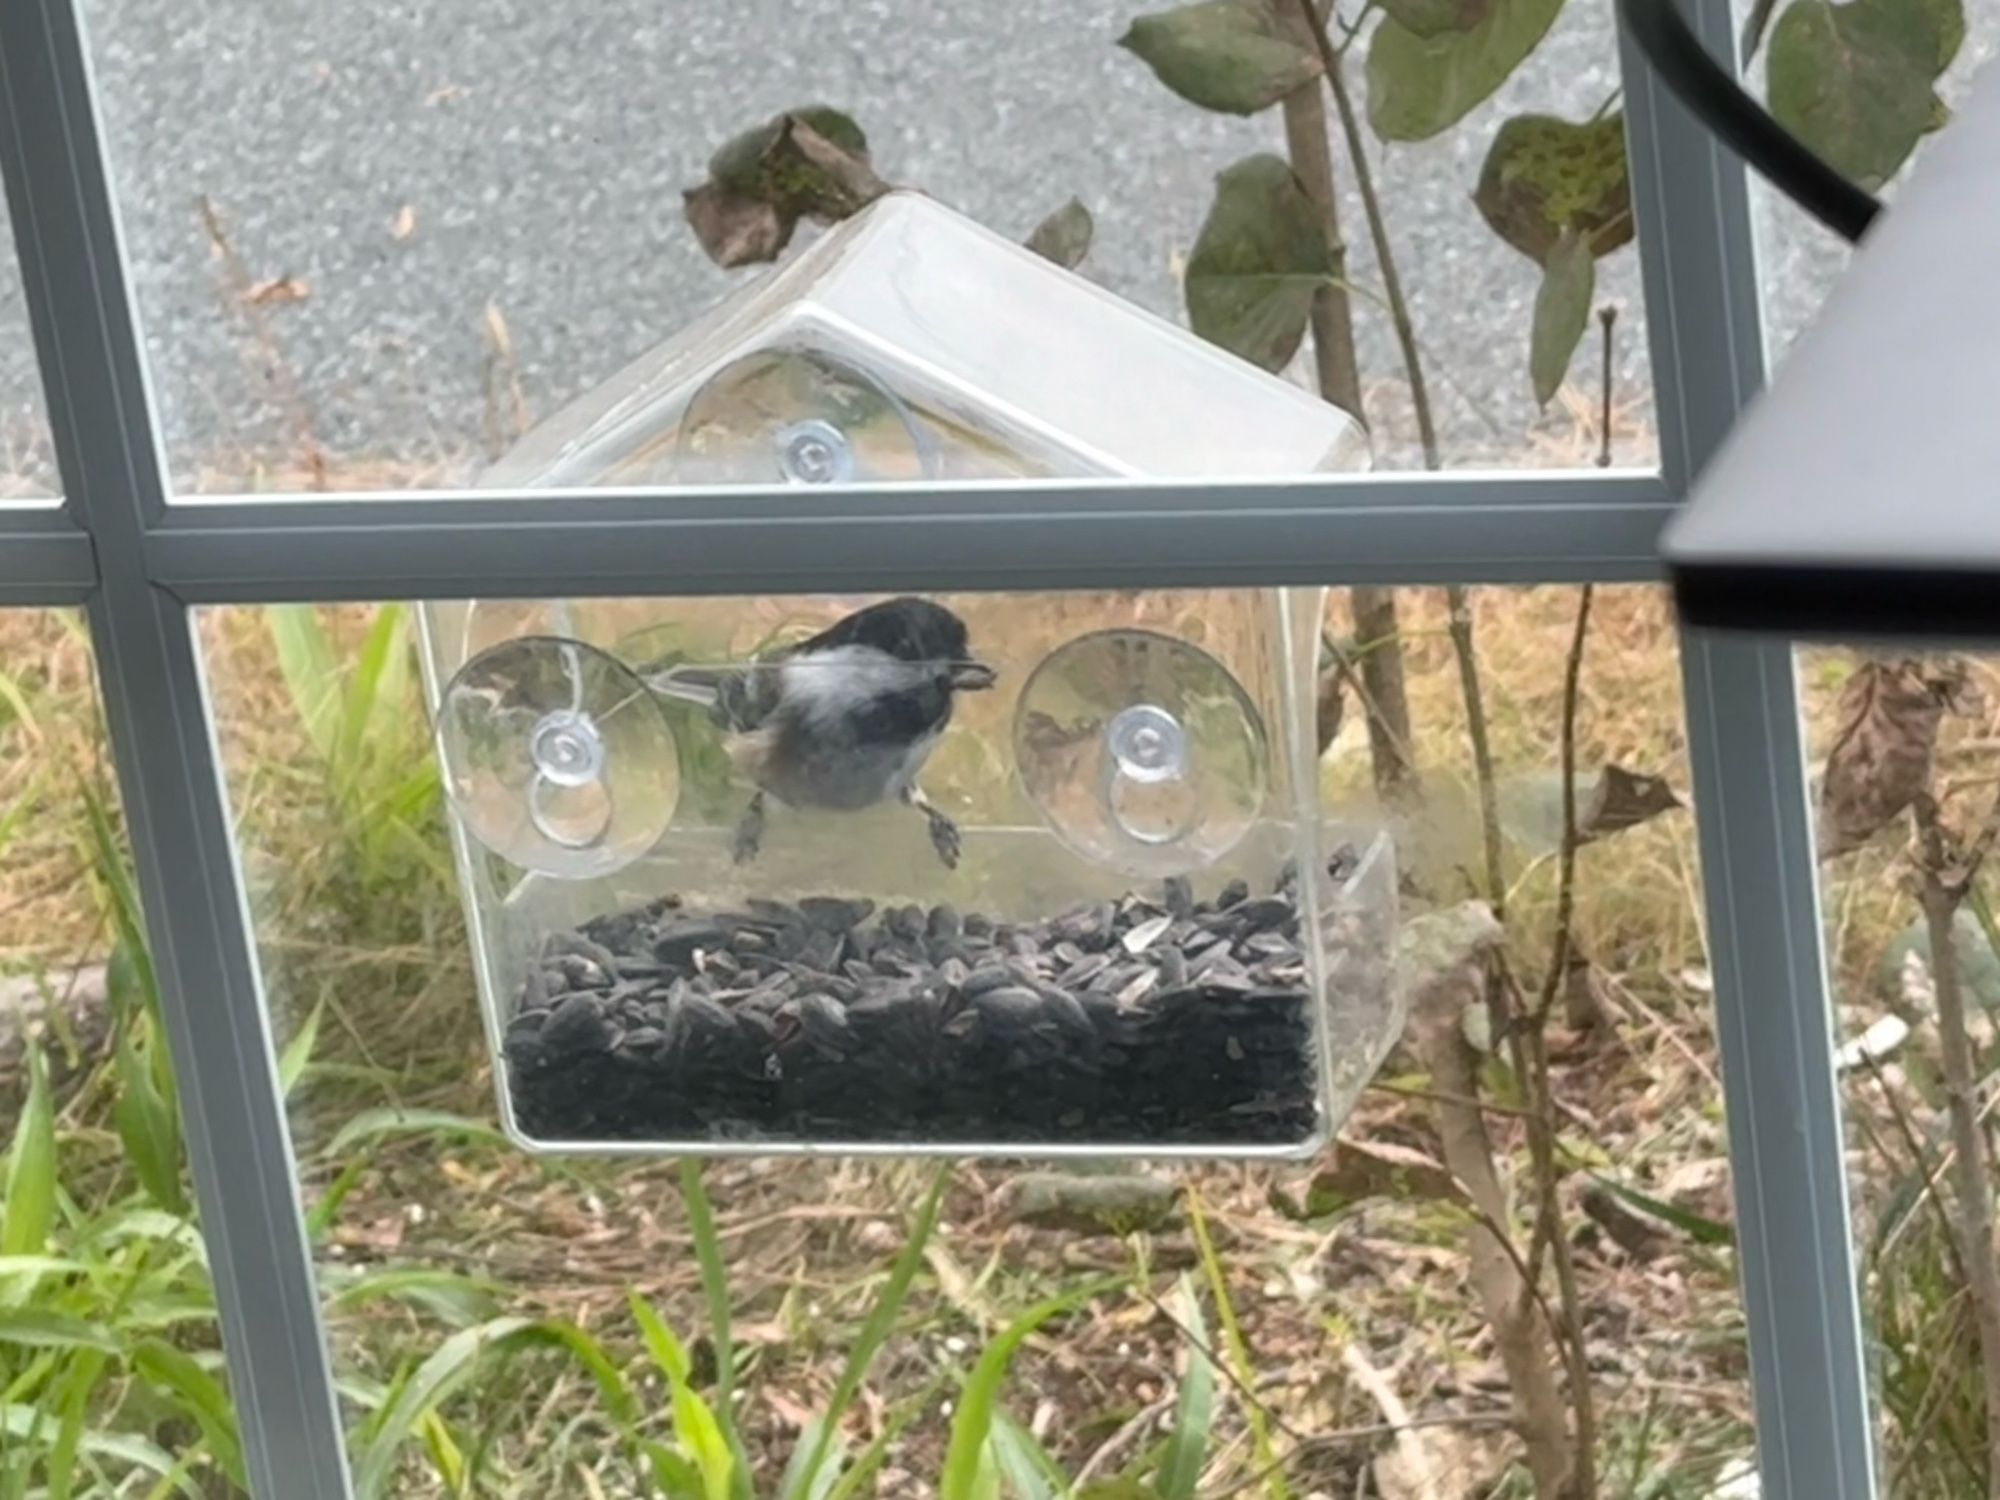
(846, 719)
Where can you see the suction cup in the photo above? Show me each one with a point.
(1141, 752)
(556, 757)
(797, 416)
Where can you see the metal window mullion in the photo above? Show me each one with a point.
(45, 558)
(1794, 1240)
(162, 739)
(1509, 528)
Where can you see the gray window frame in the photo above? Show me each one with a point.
(136, 565)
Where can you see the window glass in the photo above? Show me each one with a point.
(112, 1363)
(27, 465)
(440, 1238)
(378, 246)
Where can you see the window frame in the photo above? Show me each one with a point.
(137, 565)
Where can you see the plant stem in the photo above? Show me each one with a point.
(1338, 370)
(1566, 865)
(1607, 316)
(1458, 600)
(1942, 890)
(1500, 1279)
(1378, 232)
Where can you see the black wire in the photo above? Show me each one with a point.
(1740, 123)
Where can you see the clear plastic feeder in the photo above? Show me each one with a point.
(1014, 874)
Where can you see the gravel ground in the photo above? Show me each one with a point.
(535, 156)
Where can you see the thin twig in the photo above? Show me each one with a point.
(1607, 316)
(1566, 863)
(1943, 882)
(1458, 601)
(1378, 228)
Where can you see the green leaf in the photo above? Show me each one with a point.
(75, 1391)
(972, 1424)
(149, 1129)
(369, 689)
(715, 1291)
(299, 1050)
(1543, 175)
(1948, 16)
(1436, 17)
(311, 671)
(457, 1299)
(37, 1328)
(813, 1439)
(1234, 56)
(695, 1424)
(1064, 236)
(374, 1124)
(1235, 1347)
(1194, 1407)
(1853, 82)
(457, 1361)
(1697, 1227)
(1421, 85)
(1025, 1465)
(1562, 312)
(1264, 251)
(31, 1168)
(875, 1331)
(200, 1396)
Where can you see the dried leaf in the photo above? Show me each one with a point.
(278, 290)
(1543, 175)
(404, 224)
(735, 230)
(1562, 313)
(1263, 252)
(1623, 799)
(1234, 56)
(805, 163)
(1064, 236)
(1884, 751)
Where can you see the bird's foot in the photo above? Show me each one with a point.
(749, 831)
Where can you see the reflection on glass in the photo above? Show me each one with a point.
(110, 1312)
(1904, 746)
(473, 241)
(434, 1223)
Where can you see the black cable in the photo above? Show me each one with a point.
(1739, 122)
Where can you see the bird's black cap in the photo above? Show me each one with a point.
(909, 628)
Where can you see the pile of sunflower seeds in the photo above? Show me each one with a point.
(1150, 1020)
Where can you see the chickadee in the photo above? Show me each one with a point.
(844, 720)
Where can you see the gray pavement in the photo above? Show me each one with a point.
(540, 150)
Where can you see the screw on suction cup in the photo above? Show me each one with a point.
(799, 416)
(556, 757)
(1141, 751)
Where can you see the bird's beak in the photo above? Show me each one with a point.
(972, 676)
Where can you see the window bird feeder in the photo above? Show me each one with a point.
(1032, 874)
